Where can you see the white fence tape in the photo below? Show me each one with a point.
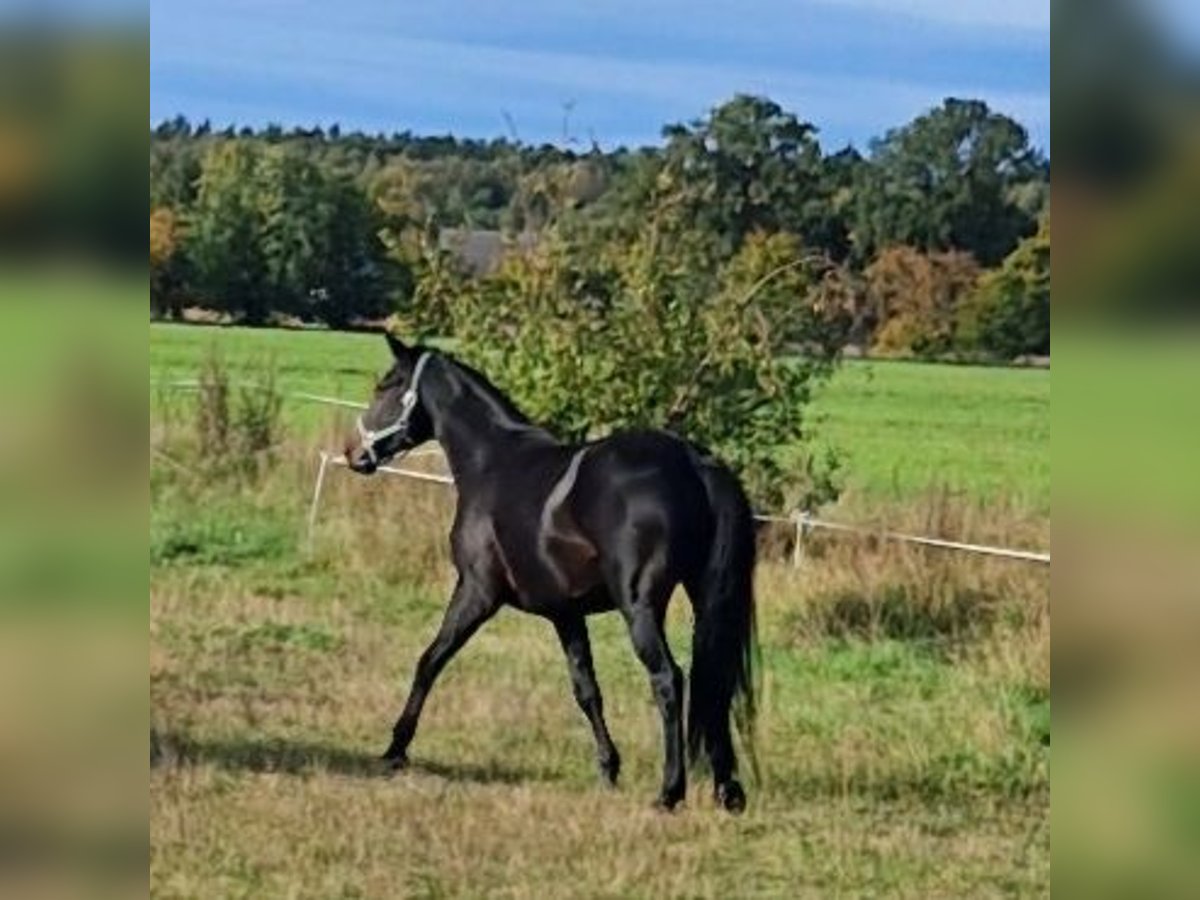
(802, 522)
(328, 459)
(805, 522)
(194, 385)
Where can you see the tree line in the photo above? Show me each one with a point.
(933, 241)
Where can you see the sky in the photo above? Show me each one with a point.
(613, 71)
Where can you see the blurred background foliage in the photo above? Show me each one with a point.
(1127, 621)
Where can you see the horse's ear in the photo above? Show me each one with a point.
(399, 349)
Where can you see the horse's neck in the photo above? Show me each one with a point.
(472, 433)
(468, 452)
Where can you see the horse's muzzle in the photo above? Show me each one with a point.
(358, 460)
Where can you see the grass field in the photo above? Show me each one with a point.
(904, 729)
(903, 427)
(903, 740)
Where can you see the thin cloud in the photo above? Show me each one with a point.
(322, 68)
(1031, 15)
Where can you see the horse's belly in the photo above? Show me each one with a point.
(558, 574)
(573, 565)
(557, 563)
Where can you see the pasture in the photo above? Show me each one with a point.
(904, 734)
(903, 427)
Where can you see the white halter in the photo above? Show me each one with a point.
(407, 404)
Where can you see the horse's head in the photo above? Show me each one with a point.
(396, 421)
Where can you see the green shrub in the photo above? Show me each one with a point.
(1009, 315)
(221, 535)
(595, 335)
(236, 436)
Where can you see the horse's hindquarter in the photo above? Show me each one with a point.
(557, 513)
(641, 496)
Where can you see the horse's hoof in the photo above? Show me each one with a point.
(731, 796)
(394, 760)
(609, 770)
(666, 803)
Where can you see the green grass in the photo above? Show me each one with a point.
(907, 426)
(335, 364)
(904, 706)
(902, 427)
(319, 361)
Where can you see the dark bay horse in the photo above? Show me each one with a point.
(567, 530)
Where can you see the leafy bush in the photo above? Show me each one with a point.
(592, 336)
(236, 437)
(213, 418)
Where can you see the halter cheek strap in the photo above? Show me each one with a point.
(400, 426)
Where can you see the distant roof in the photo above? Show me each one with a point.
(481, 250)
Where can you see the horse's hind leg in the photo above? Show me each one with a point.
(709, 705)
(727, 789)
(642, 597)
(573, 635)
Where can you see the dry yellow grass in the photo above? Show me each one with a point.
(895, 760)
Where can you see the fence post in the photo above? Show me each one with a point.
(801, 519)
(803, 526)
(316, 500)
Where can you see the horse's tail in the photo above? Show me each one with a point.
(725, 646)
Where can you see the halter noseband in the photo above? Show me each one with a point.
(400, 426)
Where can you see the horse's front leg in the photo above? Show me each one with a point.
(473, 602)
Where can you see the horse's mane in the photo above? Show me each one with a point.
(487, 392)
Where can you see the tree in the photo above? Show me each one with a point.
(949, 180)
(748, 166)
(403, 196)
(1009, 315)
(273, 232)
(164, 264)
(174, 170)
(293, 217)
(914, 297)
(335, 226)
(225, 229)
(356, 278)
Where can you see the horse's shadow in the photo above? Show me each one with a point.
(302, 758)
